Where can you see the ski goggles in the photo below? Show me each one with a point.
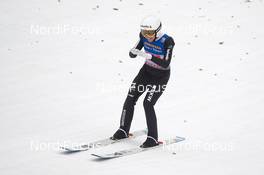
(148, 33)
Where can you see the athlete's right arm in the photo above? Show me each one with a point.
(139, 46)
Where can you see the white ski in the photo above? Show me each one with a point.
(101, 143)
(137, 149)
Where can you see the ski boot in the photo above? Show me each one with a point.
(119, 134)
(150, 142)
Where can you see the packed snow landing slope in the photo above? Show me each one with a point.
(65, 73)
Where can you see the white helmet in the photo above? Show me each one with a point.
(151, 23)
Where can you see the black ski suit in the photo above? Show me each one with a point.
(150, 79)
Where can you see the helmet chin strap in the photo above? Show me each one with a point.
(158, 32)
(158, 35)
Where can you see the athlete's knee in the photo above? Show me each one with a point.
(148, 104)
(130, 101)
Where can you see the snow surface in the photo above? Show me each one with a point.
(69, 85)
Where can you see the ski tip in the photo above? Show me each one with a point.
(65, 148)
(96, 155)
(69, 149)
(103, 156)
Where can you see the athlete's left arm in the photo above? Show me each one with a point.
(165, 62)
